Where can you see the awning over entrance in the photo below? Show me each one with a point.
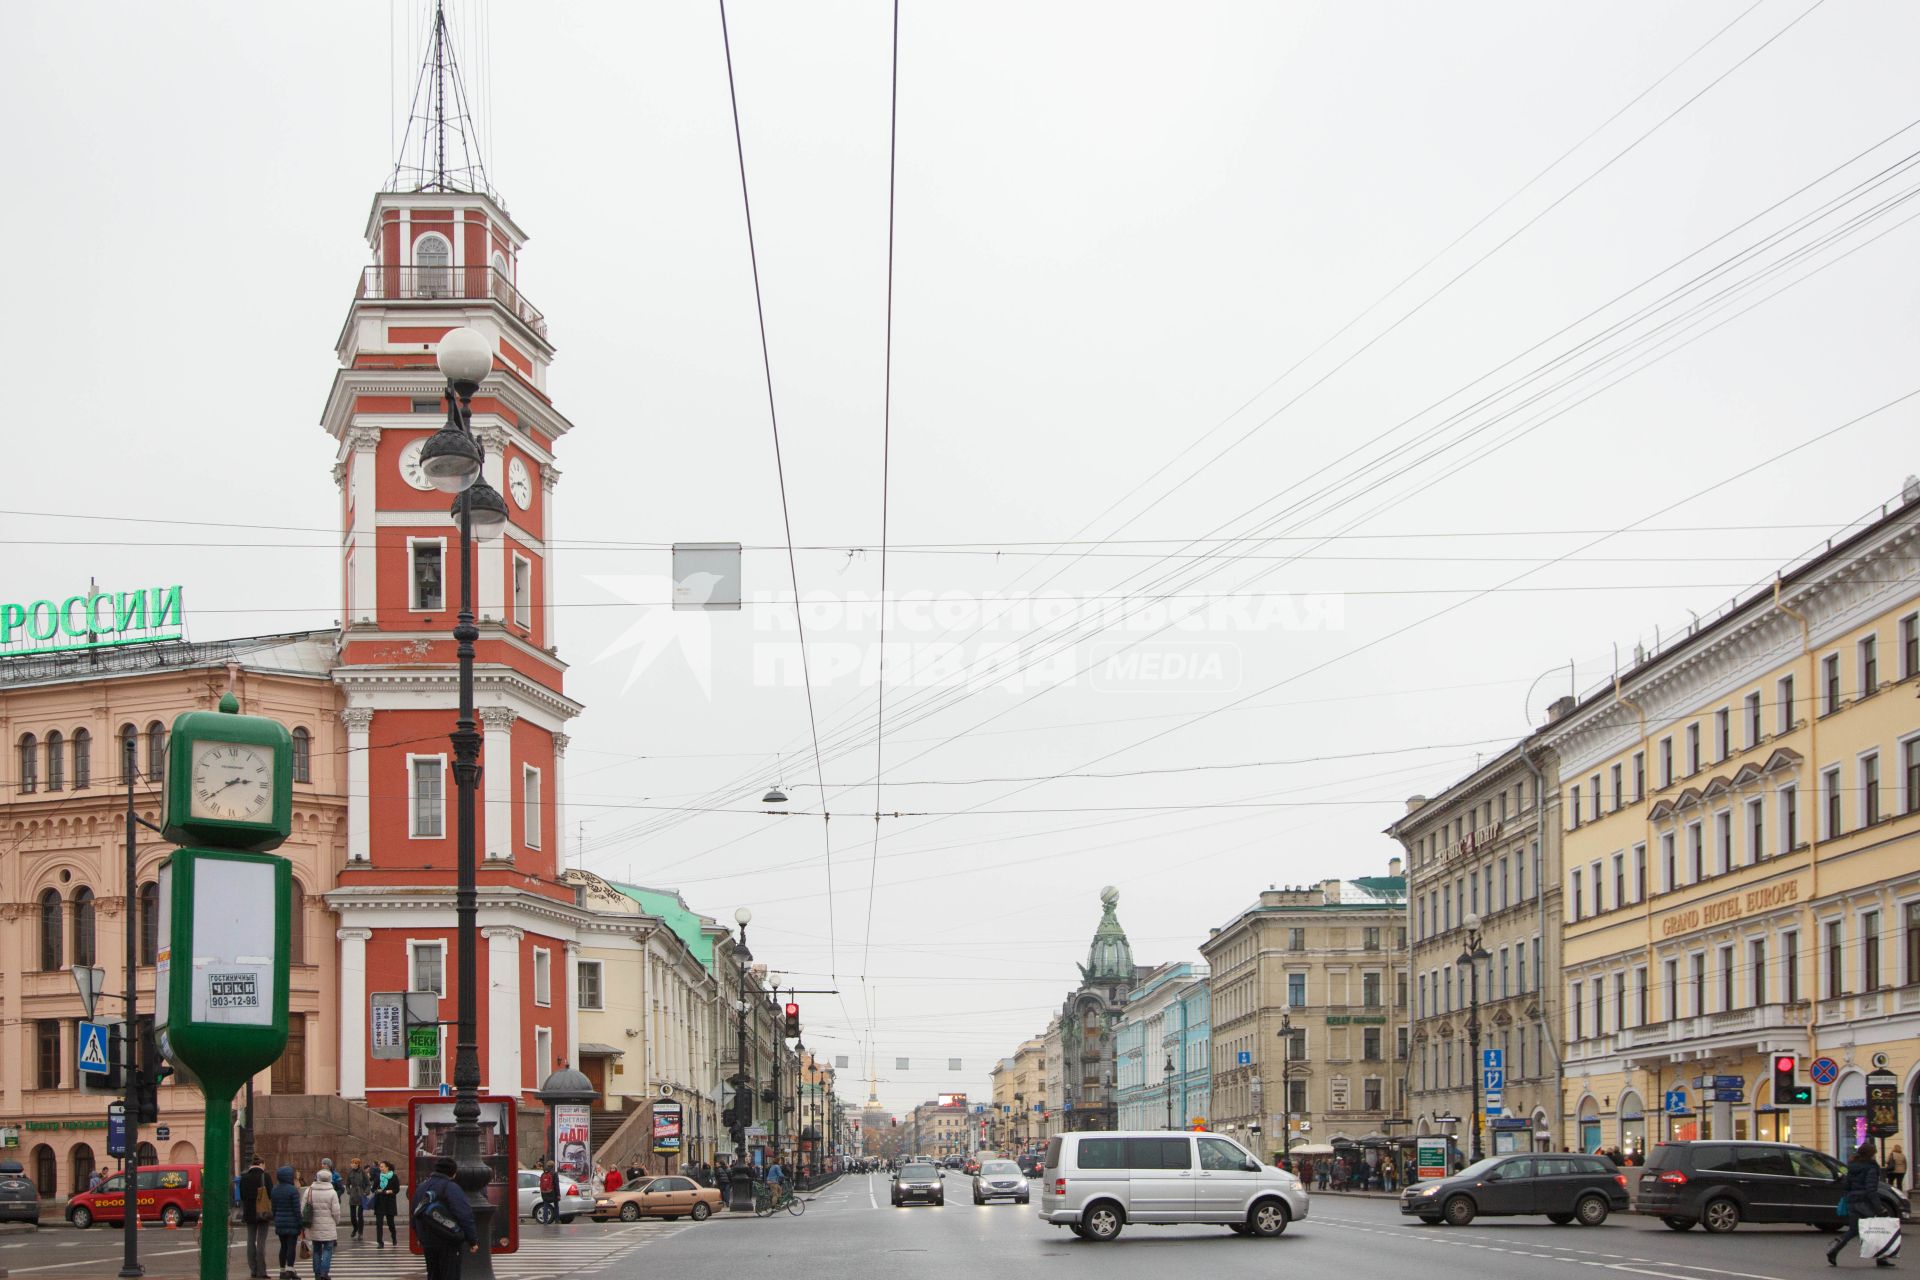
(592, 1049)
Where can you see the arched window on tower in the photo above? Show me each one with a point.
(149, 922)
(82, 759)
(52, 933)
(84, 951)
(156, 752)
(56, 761)
(29, 763)
(432, 267)
(302, 755)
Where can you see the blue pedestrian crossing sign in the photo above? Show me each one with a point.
(93, 1049)
(1676, 1101)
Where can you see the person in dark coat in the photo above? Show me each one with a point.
(443, 1261)
(386, 1205)
(252, 1183)
(1863, 1200)
(286, 1220)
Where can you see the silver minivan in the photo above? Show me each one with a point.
(1097, 1182)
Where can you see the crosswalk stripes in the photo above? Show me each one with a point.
(539, 1257)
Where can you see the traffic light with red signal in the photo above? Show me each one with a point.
(793, 1021)
(1787, 1092)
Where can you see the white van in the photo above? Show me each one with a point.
(1095, 1183)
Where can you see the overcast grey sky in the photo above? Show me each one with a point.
(1124, 232)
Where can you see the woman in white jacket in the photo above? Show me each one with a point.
(323, 1222)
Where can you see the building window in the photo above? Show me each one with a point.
(427, 809)
(1785, 698)
(1400, 1044)
(53, 947)
(433, 271)
(1642, 996)
(1576, 895)
(1696, 853)
(1757, 967)
(1910, 770)
(1619, 786)
(1726, 979)
(1639, 775)
(29, 763)
(56, 761)
(1869, 649)
(1693, 748)
(1669, 870)
(1505, 897)
(1830, 684)
(1723, 840)
(1869, 788)
(82, 759)
(1699, 965)
(1598, 904)
(1790, 966)
(1594, 782)
(1370, 990)
(1671, 972)
(1870, 951)
(46, 1037)
(1666, 762)
(427, 963)
(1297, 1095)
(1371, 1096)
(587, 985)
(1620, 1001)
(431, 1073)
(1296, 939)
(1910, 646)
(1752, 718)
(149, 922)
(1577, 1008)
(543, 1050)
(1520, 967)
(1836, 980)
(428, 574)
(530, 804)
(1789, 818)
(1370, 1046)
(1723, 733)
(1913, 943)
(1296, 991)
(1835, 815)
(85, 953)
(1619, 880)
(302, 754)
(522, 591)
(542, 977)
(156, 752)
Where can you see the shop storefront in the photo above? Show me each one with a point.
(1633, 1126)
(1849, 1112)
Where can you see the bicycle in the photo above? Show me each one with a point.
(768, 1201)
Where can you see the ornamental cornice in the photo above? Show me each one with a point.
(526, 403)
(494, 439)
(362, 438)
(549, 477)
(505, 932)
(561, 742)
(489, 680)
(497, 717)
(357, 719)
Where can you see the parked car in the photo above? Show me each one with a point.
(1096, 1183)
(19, 1198)
(1723, 1184)
(168, 1193)
(999, 1180)
(918, 1180)
(669, 1196)
(1562, 1187)
(573, 1199)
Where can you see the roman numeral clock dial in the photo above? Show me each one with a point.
(231, 782)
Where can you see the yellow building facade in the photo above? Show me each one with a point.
(1741, 861)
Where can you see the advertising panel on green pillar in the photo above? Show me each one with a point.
(220, 991)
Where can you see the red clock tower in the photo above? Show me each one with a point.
(446, 254)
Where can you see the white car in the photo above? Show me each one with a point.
(1096, 1183)
(572, 1200)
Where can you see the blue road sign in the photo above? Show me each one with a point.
(1729, 1082)
(446, 1090)
(1727, 1095)
(1676, 1100)
(1491, 1059)
(1824, 1071)
(1245, 1058)
(93, 1048)
(116, 1127)
(1492, 1080)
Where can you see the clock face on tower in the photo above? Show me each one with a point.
(519, 483)
(231, 781)
(410, 465)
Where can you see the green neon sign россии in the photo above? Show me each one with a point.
(97, 620)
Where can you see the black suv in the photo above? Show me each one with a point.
(1562, 1187)
(1722, 1184)
(918, 1180)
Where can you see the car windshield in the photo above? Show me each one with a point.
(1478, 1169)
(995, 1167)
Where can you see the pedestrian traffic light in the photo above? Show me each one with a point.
(1787, 1092)
(793, 1021)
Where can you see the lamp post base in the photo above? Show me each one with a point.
(479, 1264)
(740, 1190)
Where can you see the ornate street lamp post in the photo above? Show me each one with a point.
(1166, 1080)
(1286, 1085)
(740, 1177)
(1470, 957)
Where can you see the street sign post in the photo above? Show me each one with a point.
(1493, 1079)
(1676, 1101)
(117, 1129)
(94, 1059)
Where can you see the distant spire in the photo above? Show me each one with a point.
(440, 147)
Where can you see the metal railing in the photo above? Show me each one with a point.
(449, 284)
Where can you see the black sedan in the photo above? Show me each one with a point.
(19, 1199)
(1562, 1188)
(918, 1181)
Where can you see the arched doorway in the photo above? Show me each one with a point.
(1633, 1125)
(80, 1161)
(46, 1171)
(1589, 1124)
(148, 1156)
(1542, 1131)
(183, 1153)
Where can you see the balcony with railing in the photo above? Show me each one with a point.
(449, 284)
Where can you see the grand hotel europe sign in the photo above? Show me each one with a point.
(91, 620)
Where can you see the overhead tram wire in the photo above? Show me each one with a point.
(780, 469)
(886, 469)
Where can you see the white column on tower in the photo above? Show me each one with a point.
(362, 465)
(573, 1005)
(549, 477)
(497, 771)
(354, 1014)
(359, 722)
(560, 833)
(490, 556)
(503, 1010)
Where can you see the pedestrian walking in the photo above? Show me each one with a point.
(1897, 1167)
(549, 1192)
(256, 1215)
(442, 1218)
(386, 1205)
(1861, 1201)
(359, 1194)
(285, 1198)
(323, 1221)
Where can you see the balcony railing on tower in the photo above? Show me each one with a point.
(449, 284)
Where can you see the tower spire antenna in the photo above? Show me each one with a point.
(440, 146)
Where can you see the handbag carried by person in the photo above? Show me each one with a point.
(1880, 1238)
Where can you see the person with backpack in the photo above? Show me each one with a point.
(442, 1220)
(322, 1217)
(256, 1215)
(286, 1200)
(549, 1192)
(386, 1205)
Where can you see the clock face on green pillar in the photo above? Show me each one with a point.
(229, 780)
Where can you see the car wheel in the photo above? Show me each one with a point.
(1679, 1224)
(171, 1216)
(1101, 1222)
(1720, 1216)
(1591, 1211)
(629, 1212)
(702, 1211)
(1459, 1211)
(1268, 1219)
(1024, 1200)
(80, 1218)
(543, 1214)
(1077, 1229)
